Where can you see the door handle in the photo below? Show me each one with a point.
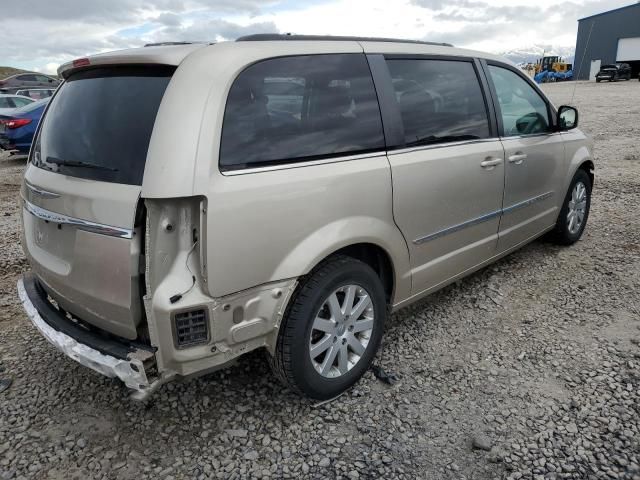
(490, 163)
(517, 158)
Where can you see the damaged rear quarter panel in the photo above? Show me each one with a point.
(237, 323)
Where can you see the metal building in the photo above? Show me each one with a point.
(606, 38)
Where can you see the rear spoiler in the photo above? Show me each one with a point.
(153, 55)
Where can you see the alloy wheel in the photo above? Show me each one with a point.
(577, 208)
(341, 331)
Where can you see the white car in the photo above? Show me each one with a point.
(8, 103)
(36, 93)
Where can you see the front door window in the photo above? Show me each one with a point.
(522, 109)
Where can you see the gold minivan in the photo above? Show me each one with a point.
(186, 204)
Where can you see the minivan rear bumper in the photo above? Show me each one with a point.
(105, 354)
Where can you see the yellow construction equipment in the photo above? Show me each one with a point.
(552, 63)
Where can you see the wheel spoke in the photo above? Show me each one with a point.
(321, 346)
(355, 345)
(334, 307)
(349, 297)
(329, 359)
(362, 305)
(324, 325)
(363, 325)
(571, 222)
(343, 360)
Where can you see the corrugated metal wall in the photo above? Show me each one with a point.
(606, 28)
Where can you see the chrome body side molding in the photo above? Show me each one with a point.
(483, 218)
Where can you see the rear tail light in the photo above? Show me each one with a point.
(17, 123)
(191, 328)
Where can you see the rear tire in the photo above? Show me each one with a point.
(574, 213)
(332, 329)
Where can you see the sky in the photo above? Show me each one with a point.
(41, 34)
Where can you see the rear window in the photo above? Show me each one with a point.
(99, 123)
(300, 108)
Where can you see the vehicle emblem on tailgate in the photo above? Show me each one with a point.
(40, 237)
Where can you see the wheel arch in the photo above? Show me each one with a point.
(579, 159)
(588, 167)
(369, 240)
(377, 258)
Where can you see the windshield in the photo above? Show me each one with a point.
(99, 124)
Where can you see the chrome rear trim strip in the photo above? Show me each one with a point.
(41, 192)
(49, 216)
(480, 219)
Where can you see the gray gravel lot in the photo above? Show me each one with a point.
(528, 369)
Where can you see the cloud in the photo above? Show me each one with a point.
(74, 28)
(105, 11)
(441, 4)
(169, 19)
(211, 30)
(39, 33)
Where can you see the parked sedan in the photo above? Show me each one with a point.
(8, 103)
(27, 80)
(613, 73)
(36, 93)
(17, 129)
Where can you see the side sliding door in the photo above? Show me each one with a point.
(446, 160)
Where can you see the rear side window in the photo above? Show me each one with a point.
(300, 108)
(21, 102)
(30, 107)
(439, 100)
(99, 124)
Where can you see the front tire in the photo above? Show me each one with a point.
(573, 216)
(332, 329)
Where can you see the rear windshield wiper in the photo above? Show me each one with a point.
(73, 163)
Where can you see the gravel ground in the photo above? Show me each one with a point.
(528, 369)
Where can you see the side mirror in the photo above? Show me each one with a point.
(567, 118)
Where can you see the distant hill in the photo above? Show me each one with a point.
(8, 71)
(533, 53)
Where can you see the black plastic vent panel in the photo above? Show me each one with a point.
(191, 328)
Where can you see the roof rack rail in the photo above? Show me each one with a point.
(263, 37)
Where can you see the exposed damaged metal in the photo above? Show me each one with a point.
(130, 370)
